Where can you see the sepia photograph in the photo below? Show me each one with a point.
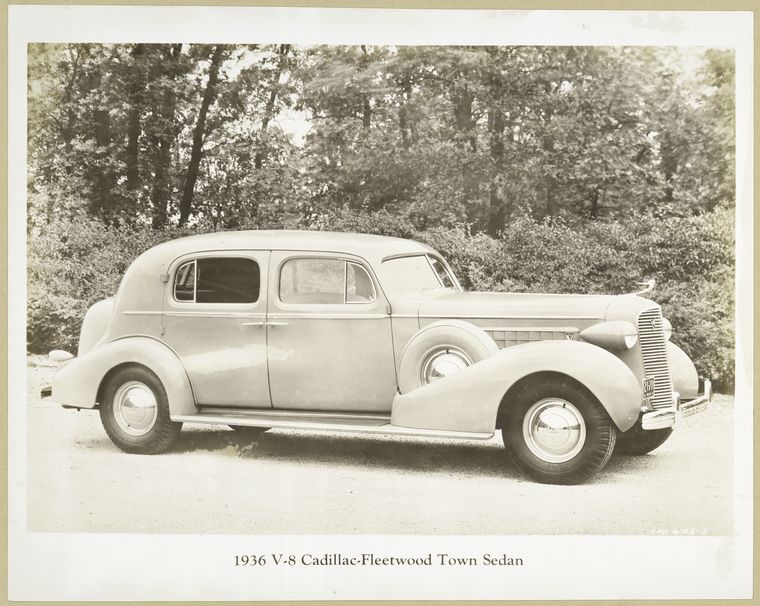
(465, 290)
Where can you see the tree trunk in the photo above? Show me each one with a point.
(133, 119)
(463, 100)
(496, 209)
(160, 192)
(548, 148)
(595, 204)
(100, 205)
(67, 131)
(403, 113)
(668, 165)
(366, 99)
(164, 140)
(282, 51)
(186, 203)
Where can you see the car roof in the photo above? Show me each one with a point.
(371, 247)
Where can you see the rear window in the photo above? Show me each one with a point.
(218, 280)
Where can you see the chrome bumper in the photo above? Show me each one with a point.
(666, 417)
(699, 403)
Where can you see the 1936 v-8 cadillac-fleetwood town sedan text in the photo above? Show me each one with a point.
(334, 331)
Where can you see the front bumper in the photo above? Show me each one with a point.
(666, 417)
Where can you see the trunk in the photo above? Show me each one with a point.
(403, 113)
(463, 100)
(366, 99)
(67, 131)
(258, 159)
(366, 113)
(160, 192)
(549, 198)
(548, 148)
(163, 141)
(186, 203)
(595, 204)
(496, 210)
(668, 165)
(100, 205)
(133, 119)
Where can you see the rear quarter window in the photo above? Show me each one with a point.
(218, 280)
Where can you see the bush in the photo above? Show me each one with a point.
(73, 265)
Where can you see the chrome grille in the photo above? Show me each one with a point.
(508, 336)
(655, 357)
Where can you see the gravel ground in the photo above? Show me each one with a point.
(292, 482)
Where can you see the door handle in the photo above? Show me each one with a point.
(273, 323)
(253, 324)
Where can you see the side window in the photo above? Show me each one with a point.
(218, 280)
(312, 281)
(359, 286)
(184, 283)
(443, 274)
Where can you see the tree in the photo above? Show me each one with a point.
(209, 94)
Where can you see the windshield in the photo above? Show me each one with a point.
(404, 275)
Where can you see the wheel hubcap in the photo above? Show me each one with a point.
(442, 363)
(134, 408)
(554, 430)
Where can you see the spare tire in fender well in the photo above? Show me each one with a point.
(465, 343)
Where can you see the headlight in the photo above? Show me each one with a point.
(618, 334)
(667, 328)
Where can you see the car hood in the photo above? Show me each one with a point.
(451, 304)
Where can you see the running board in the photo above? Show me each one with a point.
(316, 421)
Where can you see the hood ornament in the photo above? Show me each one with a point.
(648, 287)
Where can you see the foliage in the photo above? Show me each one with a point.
(445, 136)
(581, 169)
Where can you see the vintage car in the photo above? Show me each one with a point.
(363, 333)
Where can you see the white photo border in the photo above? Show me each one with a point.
(49, 566)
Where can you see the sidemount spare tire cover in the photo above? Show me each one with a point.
(461, 341)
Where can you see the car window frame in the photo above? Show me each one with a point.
(180, 262)
(345, 285)
(333, 257)
(428, 256)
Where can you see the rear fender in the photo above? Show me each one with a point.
(469, 400)
(78, 383)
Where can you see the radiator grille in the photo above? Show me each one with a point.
(508, 336)
(655, 357)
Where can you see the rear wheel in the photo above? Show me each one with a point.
(637, 441)
(135, 412)
(556, 432)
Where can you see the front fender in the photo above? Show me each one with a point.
(469, 400)
(77, 383)
(683, 372)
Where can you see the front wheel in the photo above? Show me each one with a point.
(556, 432)
(135, 412)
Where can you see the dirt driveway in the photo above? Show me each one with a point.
(292, 482)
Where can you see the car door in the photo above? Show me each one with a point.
(329, 334)
(214, 318)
